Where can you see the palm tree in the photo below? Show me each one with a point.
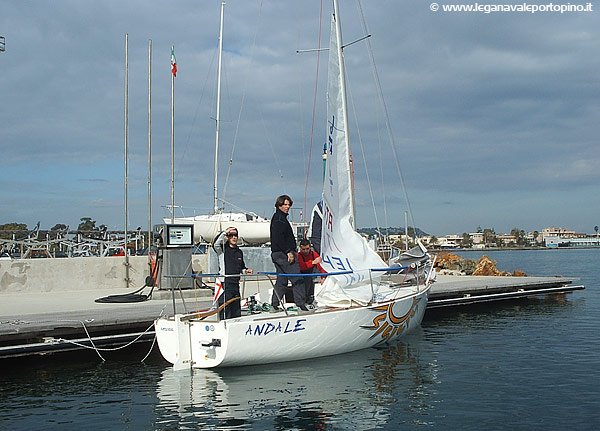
(489, 236)
(467, 241)
(596, 229)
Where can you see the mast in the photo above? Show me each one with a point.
(126, 142)
(218, 113)
(340, 54)
(172, 144)
(149, 145)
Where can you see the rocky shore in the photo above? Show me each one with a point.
(452, 264)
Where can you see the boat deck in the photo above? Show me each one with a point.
(43, 322)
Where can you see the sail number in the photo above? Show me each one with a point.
(330, 137)
(327, 217)
(336, 263)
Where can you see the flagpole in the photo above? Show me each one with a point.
(126, 142)
(172, 143)
(149, 145)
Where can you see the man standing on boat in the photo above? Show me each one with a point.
(231, 261)
(283, 255)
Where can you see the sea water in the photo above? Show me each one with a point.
(531, 364)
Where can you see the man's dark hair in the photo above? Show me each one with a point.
(281, 200)
(304, 241)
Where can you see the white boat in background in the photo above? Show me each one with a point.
(252, 228)
(356, 307)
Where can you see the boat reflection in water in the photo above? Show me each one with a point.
(359, 390)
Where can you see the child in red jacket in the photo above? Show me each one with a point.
(310, 262)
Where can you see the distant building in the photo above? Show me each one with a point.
(561, 237)
(555, 241)
(426, 240)
(477, 238)
(449, 241)
(559, 232)
(507, 238)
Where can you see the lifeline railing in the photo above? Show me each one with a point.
(270, 277)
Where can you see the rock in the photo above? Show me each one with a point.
(450, 263)
(486, 266)
(445, 259)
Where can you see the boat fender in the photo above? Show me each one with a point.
(216, 342)
(150, 280)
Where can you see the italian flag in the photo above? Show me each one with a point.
(173, 62)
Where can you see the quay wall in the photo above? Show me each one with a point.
(85, 273)
(71, 274)
(77, 273)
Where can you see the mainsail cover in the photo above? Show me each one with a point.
(342, 248)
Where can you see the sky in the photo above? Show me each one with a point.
(495, 117)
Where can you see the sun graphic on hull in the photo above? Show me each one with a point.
(387, 324)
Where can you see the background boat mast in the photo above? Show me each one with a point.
(218, 113)
(126, 155)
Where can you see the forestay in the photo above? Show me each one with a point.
(342, 248)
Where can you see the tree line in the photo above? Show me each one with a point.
(87, 225)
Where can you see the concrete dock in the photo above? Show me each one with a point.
(43, 322)
(451, 290)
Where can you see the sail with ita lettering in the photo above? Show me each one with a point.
(342, 248)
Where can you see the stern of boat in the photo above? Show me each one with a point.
(188, 343)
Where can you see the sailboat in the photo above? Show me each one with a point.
(356, 307)
(252, 228)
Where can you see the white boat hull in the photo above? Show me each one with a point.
(266, 338)
(252, 229)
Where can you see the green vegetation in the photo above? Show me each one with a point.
(7, 230)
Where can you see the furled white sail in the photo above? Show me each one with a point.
(342, 248)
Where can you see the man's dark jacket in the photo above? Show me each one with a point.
(282, 236)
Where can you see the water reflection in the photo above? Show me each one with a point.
(521, 308)
(360, 390)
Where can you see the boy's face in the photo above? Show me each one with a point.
(305, 249)
(232, 237)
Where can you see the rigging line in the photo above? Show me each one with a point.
(189, 137)
(301, 127)
(362, 149)
(301, 111)
(105, 349)
(385, 113)
(312, 127)
(228, 105)
(385, 214)
(237, 126)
